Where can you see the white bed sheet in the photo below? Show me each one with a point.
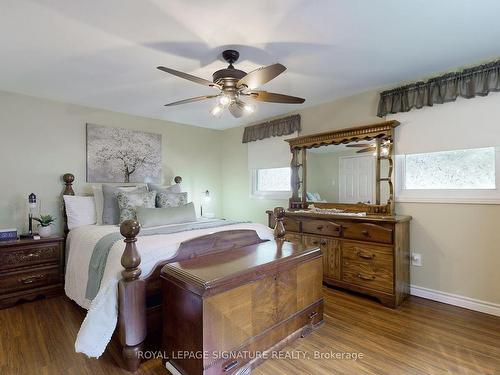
(100, 322)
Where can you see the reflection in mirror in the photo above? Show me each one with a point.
(346, 173)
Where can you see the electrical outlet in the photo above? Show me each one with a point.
(416, 259)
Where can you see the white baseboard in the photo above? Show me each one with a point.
(456, 300)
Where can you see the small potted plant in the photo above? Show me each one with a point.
(45, 229)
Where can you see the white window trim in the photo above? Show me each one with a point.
(466, 196)
(271, 195)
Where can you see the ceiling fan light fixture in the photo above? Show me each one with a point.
(224, 100)
(217, 111)
(249, 108)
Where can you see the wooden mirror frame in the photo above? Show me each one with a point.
(300, 145)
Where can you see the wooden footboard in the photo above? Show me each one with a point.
(139, 314)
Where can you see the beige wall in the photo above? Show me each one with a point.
(459, 243)
(41, 139)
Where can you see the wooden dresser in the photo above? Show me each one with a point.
(30, 268)
(366, 254)
(225, 308)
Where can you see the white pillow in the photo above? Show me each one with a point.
(99, 202)
(79, 211)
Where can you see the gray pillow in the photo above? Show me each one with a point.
(153, 217)
(167, 189)
(165, 199)
(110, 209)
(128, 203)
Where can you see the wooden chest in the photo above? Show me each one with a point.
(30, 268)
(222, 311)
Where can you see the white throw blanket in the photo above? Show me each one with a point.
(99, 324)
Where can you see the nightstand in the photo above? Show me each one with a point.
(31, 269)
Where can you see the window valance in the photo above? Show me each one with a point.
(273, 128)
(479, 80)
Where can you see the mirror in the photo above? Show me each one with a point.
(345, 173)
(349, 169)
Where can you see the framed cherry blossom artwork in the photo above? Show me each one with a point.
(122, 155)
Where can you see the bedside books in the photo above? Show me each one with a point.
(8, 234)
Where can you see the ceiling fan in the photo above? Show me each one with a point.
(372, 147)
(234, 85)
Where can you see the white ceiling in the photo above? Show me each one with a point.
(104, 53)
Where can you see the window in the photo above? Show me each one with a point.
(269, 168)
(463, 176)
(271, 183)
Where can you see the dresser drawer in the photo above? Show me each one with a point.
(291, 224)
(29, 279)
(28, 256)
(360, 252)
(369, 266)
(323, 227)
(368, 232)
(367, 276)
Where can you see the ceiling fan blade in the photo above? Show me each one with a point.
(369, 149)
(264, 96)
(236, 109)
(190, 100)
(360, 145)
(260, 76)
(189, 77)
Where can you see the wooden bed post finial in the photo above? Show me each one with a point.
(131, 260)
(68, 179)
(279, 228)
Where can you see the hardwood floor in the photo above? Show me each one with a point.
(421, 337)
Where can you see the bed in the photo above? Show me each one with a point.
(128, 296)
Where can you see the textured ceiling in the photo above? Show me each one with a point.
(103, 53)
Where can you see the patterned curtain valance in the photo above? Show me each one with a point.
(479, 80)
(273, 128)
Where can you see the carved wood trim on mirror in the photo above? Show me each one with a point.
(383, 135)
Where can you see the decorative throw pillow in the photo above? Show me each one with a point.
(128, 202)
(111, 210)
(165, 199)
(153, 217)
(167, 189)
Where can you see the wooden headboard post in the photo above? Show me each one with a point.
(68, 179)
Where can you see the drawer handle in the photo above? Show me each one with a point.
(365, 256)
(315, 242)
(31, 256)
(313, 315)
(319, 227)
(31, 279)
(230, 366)
(367, 278)
(365, 233)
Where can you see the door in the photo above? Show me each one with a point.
(357, 179)
(331, 254)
